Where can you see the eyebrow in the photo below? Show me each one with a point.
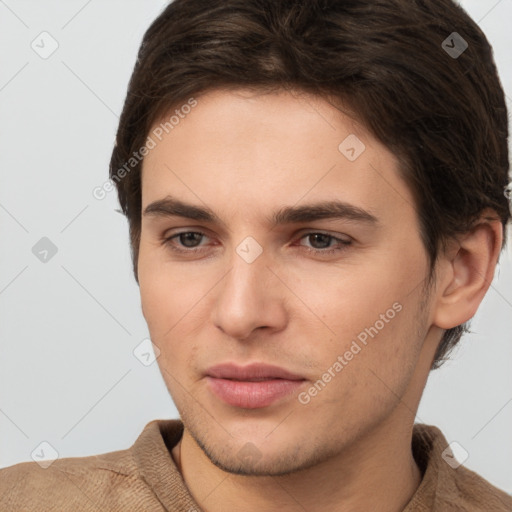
(173, 207)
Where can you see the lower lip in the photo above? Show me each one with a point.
(252, 395)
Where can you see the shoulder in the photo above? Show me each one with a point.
(447, 485)
(86, 482)
(477, 494)
(120, 480)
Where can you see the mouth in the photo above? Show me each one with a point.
(253, 386)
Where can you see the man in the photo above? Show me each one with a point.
(316, 199)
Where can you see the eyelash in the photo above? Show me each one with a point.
(192, 250)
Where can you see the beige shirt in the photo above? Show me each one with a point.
(145, 478)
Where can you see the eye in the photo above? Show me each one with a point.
(187, 239)
(324, 239)
(189, 242)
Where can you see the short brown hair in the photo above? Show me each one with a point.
(441, 114)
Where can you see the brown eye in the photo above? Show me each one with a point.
(321, 238)
(189, 238)
(321, 243)
(186, 241)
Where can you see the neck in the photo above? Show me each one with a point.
(377, 472)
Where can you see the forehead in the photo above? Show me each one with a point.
(243, 149)
(245, 117)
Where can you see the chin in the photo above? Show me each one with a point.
(248, 460)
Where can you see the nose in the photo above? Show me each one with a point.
(250, 297)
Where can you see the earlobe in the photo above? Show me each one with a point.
(468, 274)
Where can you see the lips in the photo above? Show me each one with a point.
(252, 372)
(254, 386)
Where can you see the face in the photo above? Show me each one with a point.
(307, 258)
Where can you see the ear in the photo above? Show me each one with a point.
(466, 270)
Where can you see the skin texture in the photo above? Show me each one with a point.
(245, 155)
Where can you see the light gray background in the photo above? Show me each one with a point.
(68, 327)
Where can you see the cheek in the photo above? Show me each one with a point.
(368, 367)
(165, 311)
(169, 305)
(175, 307)
(370, 311)
(164, 290)
(349, 299)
